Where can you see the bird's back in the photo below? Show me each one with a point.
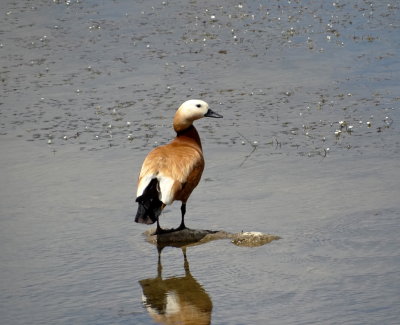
(178, 166)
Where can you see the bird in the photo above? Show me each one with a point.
(171, 172)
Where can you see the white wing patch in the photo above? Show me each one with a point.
(165, 187)
(173, 305)
(166, 184)
(144, 182)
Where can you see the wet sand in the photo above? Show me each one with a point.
(308, 150)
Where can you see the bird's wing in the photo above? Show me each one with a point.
(173, 165)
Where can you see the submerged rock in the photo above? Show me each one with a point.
(191, 237)
(253, 239)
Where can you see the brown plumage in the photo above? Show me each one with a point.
(171, 172)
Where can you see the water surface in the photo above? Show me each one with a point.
(308, 150)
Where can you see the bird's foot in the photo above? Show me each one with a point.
(181, 227)
(160, 231)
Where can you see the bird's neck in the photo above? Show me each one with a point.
(189, 134)
(181, 122)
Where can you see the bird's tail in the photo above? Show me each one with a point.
(150, 205)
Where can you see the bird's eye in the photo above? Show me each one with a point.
(198, 105)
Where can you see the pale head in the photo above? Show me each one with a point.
(190, 111)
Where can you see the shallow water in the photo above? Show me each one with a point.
(89, 87)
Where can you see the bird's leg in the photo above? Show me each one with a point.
(185, 262)
(159, 230)
(159, 265)
(183, 210)
(182, 226)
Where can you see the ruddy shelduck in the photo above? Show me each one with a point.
(171, 172)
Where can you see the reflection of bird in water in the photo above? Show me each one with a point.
(176, 300)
